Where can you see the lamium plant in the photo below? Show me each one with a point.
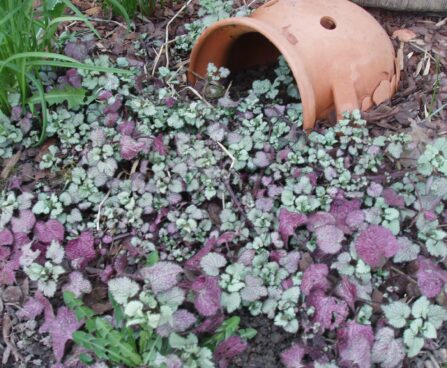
(188, 216)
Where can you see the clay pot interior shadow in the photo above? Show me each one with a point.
(340, 57)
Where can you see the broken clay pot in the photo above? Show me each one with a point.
(341, 58)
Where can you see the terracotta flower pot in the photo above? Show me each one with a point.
(341, 58)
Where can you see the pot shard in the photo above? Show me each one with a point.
(340, 56)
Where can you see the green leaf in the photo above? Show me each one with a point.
(436, 315)
(414, 344)
(118, 309)
(231, 301)
(152, 258)
(70, 300)
(395, 149)
(247, 333)
(143, 340)
(416, 325)
(429, 331)
(176, 341)
(86, 359)
(212, 262)
(420, 308)
(397, 313)
(91, 325)
(103, 327)
(120, 9)
(84, 312)
(230, 325)
(75, 304)
(73, 96)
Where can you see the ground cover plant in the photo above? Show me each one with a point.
(154, 218)
(27, 43)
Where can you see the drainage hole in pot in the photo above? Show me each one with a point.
(328, 23)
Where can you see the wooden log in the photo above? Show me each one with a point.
(407, 5)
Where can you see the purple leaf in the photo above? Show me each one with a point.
(375, 244)
(5, 252)
(292, 357)
(288, 222)
(393, 199)
(61, 329)
(315, 278)
(114, 107)
(374, 190)
(48, 231)
(193, 263)
(130, 148)
(74, 78)
(106, 273)
(319, 219)
(111, 119)
(283, 155)
(341, 208)
(254, 289)
(16, 113)
(261, 159)
(8, 271)
(126, 128)
(210, 324)
(208, 293)
(6, 237)
(355, 220)
(329, 238)
(388, 351)
(35, 306)
(77, 50)
(77, 284)
(330, 312)
(246, 257)
(20, 239)
(159, 146)
(228, 349)
(290, 261)
(24, 223)
(81, 250)
(431, 278)
(264, 204)
(430, 216)
(162, 276)
(173, 361)
(226, 237)
(105, 95)
(346, 291)
(354, 345)
(182, 320)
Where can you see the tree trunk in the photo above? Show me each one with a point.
(407, 5)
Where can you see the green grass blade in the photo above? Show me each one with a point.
(75, 10)
(79, 65)
(9, 15)
(43, 103)
(74, 19)
(36, 55)
(121, 10)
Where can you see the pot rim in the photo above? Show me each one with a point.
(292, 58)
